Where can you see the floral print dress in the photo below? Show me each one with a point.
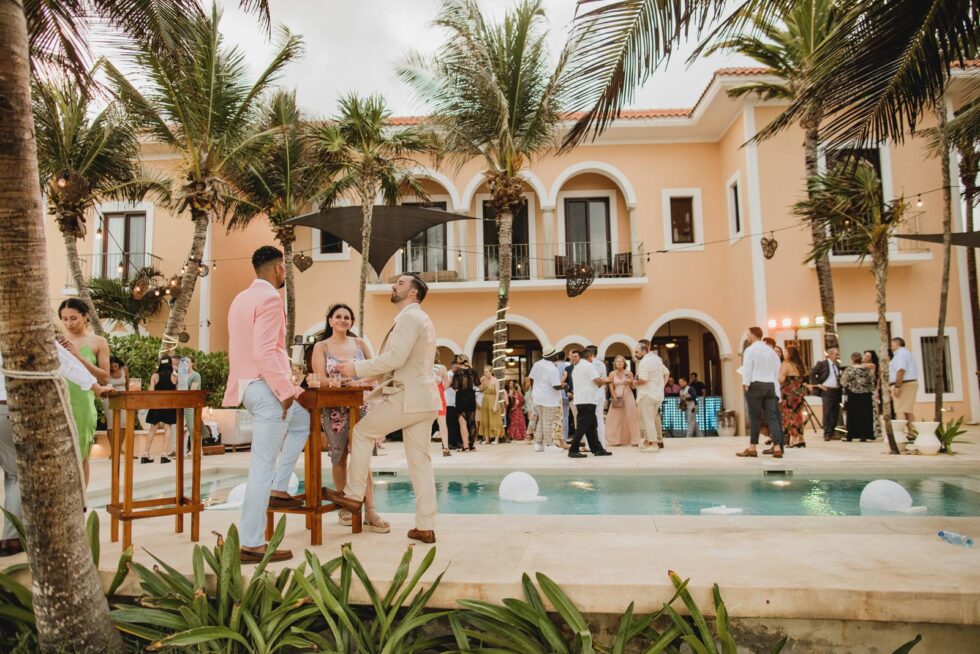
(336, 420)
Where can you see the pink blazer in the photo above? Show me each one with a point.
(257, 343)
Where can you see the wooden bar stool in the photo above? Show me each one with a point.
(177, 505)
(313, 400)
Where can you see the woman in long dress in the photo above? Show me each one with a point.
(465, 383)
(622, 419)
(339, 344)
(516, 423)
(857, 381)
(93, 352)
(793, 393)
(441, 375)
(870, 361)
(491, 424)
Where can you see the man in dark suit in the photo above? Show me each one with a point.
(825, 375)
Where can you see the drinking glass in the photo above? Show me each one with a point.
(135, 384)
(336, 379)
(313, 380)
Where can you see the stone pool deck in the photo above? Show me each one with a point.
(865, 569)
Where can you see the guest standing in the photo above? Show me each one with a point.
(688, 403)
(760, 377)
(491, 424)
(825, 375)
(592, 354)
(903, 377)
(164, 379)
(465, 383)
(671, 388)
(516, 423)
(793, 392)
(588, 393)
(622, 421)
(870, 361)
(565, 412)
(441, 375)
(119, 381)
(859, 384)
(260, 379)
(545, 386)
(93, 352)
(651, 375)
(188, 379)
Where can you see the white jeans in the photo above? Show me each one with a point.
(8, 461)
(273, 439)
(600, 422)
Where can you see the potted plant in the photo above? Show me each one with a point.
(946, 432)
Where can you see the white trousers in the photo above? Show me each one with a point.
(276, 445)
(384, 418)
(650, 424)
(600, 422)
(8, 461)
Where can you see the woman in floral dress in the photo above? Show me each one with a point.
(516, 422)
(793, 391)
(856, 379)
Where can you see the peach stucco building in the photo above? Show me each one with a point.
(669, 206)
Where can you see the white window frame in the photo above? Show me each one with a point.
(952, 334)
(118, 207)
(669, 244)
(735, 234)
(606, 194)
(316, 255)
(532, 237)
(451, 246)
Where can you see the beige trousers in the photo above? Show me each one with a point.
(650, 423)
(385, 417)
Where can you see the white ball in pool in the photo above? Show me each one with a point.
(518, 487)
(885, 495)
(237, 495)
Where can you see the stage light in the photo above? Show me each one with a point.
(805, 321)
(819, 320)
(772, 323)
(787, 322)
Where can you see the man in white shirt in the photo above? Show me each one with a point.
(589, 393)
(71, 369)
(592, 354)
(651, 376)
(826, 375)
(903, 378)
(545, 387)
(760, 376)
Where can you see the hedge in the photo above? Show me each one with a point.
(140, 354)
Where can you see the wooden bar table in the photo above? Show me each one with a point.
(128, 509)
(314, 400)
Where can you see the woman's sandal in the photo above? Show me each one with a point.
(446, 452)
(345, 517)
(374, 522)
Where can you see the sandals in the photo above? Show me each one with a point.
(446, 452)
(374, 522)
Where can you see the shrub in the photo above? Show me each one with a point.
(140, 354)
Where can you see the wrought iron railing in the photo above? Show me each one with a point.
(114, 265)
(914, 222)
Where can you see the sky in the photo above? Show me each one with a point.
(354, 45)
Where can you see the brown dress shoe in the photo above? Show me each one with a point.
(276, 502)
(747, 452)
(250, 556)
(778, 454)
(341, 500)
(768, 450)
(10, 547)
(426, 536)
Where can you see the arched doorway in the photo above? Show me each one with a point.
(523, 349)
(691, 351)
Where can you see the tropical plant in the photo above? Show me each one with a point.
(785, 43)
(85, 159)
(845, 202)
(141, 354)
(114, 300)
(365, 156)
(494, 95)
(875, 75)
(200, 102)
(948, 431)
(71, 610)
(278, 177)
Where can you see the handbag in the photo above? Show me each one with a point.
(617, 403)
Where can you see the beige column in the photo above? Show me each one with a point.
(546, 250)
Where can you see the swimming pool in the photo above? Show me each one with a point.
(804, 494)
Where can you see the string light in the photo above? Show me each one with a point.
(772, 323)
(62, 181)
(918, 202)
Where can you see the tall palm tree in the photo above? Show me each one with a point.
(494, 95)
(279, 177)
(71, 612)
(786, 44)
(939, 355)
(845, 202)
(200, 102)
(83, 160)
(875, 75)
(366, 156)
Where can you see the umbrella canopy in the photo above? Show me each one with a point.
(965, 239)
(391, 227)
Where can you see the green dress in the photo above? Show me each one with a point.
(83, 407)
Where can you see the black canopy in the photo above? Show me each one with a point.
(391, 227)
(965, 239)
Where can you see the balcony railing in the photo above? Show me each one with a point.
(533, 262)
(915, 222)
(114, 265)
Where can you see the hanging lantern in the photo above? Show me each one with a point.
(302, 262)
(578, 278)
(769, 246)
(203, 270)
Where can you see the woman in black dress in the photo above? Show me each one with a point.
(164, 379)
(859, 384)
(465, 383)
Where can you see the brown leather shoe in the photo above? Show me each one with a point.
(250, 556)
(10, 547)
(276, 502)
(778, 454)
(747, 452)
(768, 450)
(341, 500)
(426, 536)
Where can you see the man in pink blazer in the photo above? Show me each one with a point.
(260, 379)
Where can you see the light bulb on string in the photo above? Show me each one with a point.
(459, 256)
(120, 268)
(98, 232)
(214, 265)
(918, 201)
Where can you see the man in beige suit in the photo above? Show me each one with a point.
(409, 401)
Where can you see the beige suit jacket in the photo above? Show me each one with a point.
(404, 363)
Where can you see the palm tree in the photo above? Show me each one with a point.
(365, 157)
(846, 204)
(939, 356)
(115, 299)
(70, 609)
(200, 102)
(786, 44)
(875, 75)
(279, 178)
(494, 95)
(83, 160)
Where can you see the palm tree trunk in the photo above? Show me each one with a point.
(879, 266)
(939, 357)
(70, 607)
(367, 211)
(188, 281)
(286, 238)
(825, 279)
(969, 163)
(505, 237)
(71, 248)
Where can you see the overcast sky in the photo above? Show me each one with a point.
(354, 45)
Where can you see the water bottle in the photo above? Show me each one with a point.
(955, 538)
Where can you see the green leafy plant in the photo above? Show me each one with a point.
(140, 354)
(948, 431)
(113, 298)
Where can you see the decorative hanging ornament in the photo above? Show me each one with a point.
(302, 262)
(769, 246)
(578, 278)
(203, 270)
(184, 337)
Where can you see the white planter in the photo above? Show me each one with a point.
(926, 442)
(898, 427)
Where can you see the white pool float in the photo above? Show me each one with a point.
(887, 496)
(520, 487)
(237, 495)
(721, 510)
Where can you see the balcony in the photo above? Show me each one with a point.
(903, 251)
(535, 266)
(113, 265)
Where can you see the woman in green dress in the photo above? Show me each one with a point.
(93, 352)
